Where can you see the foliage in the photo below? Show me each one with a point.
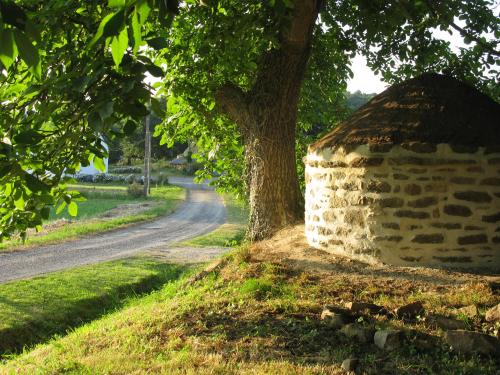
(135, 190)
(73, 73)
(357, 99)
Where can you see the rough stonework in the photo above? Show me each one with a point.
(406, 203)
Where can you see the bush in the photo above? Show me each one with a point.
(162, 179)
(125, 170)
(135, 190)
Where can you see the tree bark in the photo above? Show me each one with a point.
(267, 117)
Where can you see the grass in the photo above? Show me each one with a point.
(98, 202)
(254, 317)
(167, 198)
(33, 310)
(229, 234)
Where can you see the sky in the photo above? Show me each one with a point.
(366, 81)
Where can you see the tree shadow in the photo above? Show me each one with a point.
(68, 315)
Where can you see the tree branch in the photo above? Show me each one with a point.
(487, 46)
(232, 101)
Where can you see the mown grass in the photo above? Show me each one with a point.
(98, 201)
(249, 317)
(231, 233)
(166, 199)
(33, 310)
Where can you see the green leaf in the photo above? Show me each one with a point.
(114, 25)
(45, 212)
(28, 52)
(99, 164)
(136, 31)
(119, 45)
(129, 127)
(94, 120)
(155, 71)
(13, 14)
(73, 209)
(28, 137)
(61, 207)
(109, 26)
(19, 203)
(34, 184)
(116, 3)
(156, 106)
(106, 110)
(157, 43)
(8, 48)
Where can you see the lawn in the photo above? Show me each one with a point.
(33, 310)
(230, 234)
(254, 316)
(100, 200)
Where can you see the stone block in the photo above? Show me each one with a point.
(423, 202)
(363, 162)
(391, 202)
(358, 332)
(468, 342)
(428, 238)
(493, 314)
(473, 196)
(463, 180)
(457, 210)
(377, 186)
(388, 339)
(412, 214)
(492, 218)
(491, 181)
(413, 189)
(473, 239)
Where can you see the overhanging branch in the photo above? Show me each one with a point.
(232, 101)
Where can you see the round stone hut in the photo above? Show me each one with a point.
(411, 178)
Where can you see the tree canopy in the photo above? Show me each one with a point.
(73, 72)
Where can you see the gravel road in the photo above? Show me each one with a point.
(202, 212)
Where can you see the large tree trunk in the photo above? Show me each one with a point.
(267, 117)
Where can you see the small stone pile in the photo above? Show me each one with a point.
(356, 321)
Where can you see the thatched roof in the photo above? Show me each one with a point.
(431, 108)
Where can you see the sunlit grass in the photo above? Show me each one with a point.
(33, 310)
(230, 234)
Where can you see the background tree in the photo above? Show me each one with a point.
(238, 74)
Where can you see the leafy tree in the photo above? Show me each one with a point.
(238, 73)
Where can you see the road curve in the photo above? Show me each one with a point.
(202, 212)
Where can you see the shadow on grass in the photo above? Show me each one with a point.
(56, 317)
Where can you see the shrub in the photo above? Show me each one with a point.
(126, 170)
(135, 190)
(162, 179)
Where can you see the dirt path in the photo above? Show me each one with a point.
(202, 212)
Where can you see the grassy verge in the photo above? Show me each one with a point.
(166, 198)
(257, 317)
(229, 234)
(33, 310)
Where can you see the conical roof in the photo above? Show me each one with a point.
(431, 108)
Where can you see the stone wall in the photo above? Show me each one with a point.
(410, 204)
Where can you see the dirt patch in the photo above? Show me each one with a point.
(290, 247)
(127, 209)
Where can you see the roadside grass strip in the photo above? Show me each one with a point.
(166, 199)
(229, 234)
(254, 317)
(34, 310)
